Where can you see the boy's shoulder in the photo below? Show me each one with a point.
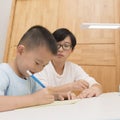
(4, 68)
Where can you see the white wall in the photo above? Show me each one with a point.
(5, 8)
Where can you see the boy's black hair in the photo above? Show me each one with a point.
(61, 33)
(39, 35)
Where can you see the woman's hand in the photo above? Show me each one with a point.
(93, 91)
(80, 85)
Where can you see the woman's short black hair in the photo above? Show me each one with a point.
(39, 35)
(61, 33)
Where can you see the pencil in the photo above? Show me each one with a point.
(35, 79)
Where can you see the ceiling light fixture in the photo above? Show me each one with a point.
(100, 26)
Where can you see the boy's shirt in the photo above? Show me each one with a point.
(13, 85)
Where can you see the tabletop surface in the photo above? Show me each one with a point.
(103, 107)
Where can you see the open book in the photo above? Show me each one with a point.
(65, 102)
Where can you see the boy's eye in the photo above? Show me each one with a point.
(36, 63)
(44, 65)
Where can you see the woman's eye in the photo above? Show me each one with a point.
(66, 45)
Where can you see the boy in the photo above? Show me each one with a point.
(17, 89)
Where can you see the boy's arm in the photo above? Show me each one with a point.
(14, 102)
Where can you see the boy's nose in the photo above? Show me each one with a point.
(39, 69)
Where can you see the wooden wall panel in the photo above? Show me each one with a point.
(100, 11)
(28, 13)
(106, 75)
(96, 36)
(95, 54)
(67, 13)
(98, 51)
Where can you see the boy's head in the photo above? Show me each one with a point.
(38, 36)
(35, 49)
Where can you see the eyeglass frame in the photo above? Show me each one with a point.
(63, 46)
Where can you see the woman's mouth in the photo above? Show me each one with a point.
(60, 55)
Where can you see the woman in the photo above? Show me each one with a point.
(67, 76)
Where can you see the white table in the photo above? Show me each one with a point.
(104, 107)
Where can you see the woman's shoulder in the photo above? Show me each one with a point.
(73, 65)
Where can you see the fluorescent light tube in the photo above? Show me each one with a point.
(100, 26)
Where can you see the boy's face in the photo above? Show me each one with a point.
(33, 60)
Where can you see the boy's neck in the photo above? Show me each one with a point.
(15, 69)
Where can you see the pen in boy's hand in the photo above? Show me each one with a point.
(35, 79)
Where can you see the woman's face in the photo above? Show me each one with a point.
(64, 50)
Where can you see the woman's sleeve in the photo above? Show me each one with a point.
(82, 75)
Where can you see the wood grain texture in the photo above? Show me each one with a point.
(106, 75)
(94, 54)
(98, 51)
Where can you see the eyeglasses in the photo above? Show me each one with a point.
(65, 46)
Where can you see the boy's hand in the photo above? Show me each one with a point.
(43, 97)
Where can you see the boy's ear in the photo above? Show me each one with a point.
(20, 49)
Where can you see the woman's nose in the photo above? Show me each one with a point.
(60, 49)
